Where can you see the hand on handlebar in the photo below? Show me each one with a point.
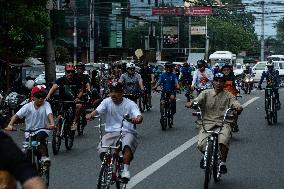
(188, 104)
(89, 116)
(51, 127)
(10, 128)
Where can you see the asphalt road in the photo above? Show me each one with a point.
(169, 159)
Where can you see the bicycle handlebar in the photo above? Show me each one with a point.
(34, 130)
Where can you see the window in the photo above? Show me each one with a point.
(260, 67)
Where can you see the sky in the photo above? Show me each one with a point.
(270, 17)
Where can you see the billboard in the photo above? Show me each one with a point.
(170, 35)
(198, 30)
(180, 11)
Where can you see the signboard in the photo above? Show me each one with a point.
(182, 11)
(198, 11)
(167, 11)
(198, 30)
(170, 35)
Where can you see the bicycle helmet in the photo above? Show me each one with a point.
(130, 65)
(269, 64)
(80, 66)
(69, 67)
(168, 65)
(216, 65)
(219, 76)
(201, 63)
(39, 90)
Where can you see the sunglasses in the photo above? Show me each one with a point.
(40, 96)
(68, 72)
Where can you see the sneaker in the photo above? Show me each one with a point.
(202, 163)
(45, 160)
(125, 175)
(223, 168)
(74, 126)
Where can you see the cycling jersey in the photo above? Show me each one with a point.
(168, 81)
(272, 78)
(186, 73)
(146, 75)
(68, 90)
(83, 80)
(131, 82)
(199, 78)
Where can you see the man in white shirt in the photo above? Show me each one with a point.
(115, 107)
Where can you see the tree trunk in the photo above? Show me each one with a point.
(50, 65)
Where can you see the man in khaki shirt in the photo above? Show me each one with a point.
(213, 103)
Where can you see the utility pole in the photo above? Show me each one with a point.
(262, 32)
(92, 32)
(75, 38)
(207, 40)
(189, 35)
(50, 64)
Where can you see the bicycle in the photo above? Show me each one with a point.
(139, 99)
(63, 121)
(270, 106)
(30, 149)
(212, 156)
(166, 114)
(112, 164)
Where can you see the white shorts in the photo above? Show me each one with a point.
(111, 138)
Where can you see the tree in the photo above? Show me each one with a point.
(23, 24)
(280, 29)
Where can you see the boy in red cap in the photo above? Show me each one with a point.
(37, 114)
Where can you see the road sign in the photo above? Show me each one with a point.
(198, 11)
(167, 11)
(138, 53)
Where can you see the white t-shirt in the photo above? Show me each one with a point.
(114, 114)
(35, 118)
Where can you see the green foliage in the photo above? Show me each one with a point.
(62, 55)
(280, 29)
(23, 24)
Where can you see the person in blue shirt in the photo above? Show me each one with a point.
(273, 80)
(169, 83)
(186, 78)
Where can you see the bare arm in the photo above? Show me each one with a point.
(52, 90)
(51, 121)
(10, 126)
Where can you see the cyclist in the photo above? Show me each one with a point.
(213, 104)
(216, 69)
(186, 77)
(169, 83)
(115, 107)
(132, 82)
(157, 72)
(70, 89)
(273, 80)
(15, 165)
(202, 77)
(37, 114)
(230, 86)
(247, 70)
(148, 79)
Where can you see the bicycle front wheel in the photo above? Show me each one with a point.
(208, 163)
(44, 172)
(56, 138)
(69, 137)
(104, 178)
(274, 111)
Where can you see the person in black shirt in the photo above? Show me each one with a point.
(147, 76)
(70, 89)
(14, 165)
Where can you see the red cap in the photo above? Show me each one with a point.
(38, 88)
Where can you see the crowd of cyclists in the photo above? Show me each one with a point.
(115, 92)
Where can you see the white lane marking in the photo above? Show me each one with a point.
(164, 160)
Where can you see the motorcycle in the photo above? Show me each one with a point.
(247, 83)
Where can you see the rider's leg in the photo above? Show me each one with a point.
(173, 104)
(79, 108)
(162, 104)
(42, 148)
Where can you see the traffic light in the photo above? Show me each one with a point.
(65, 3)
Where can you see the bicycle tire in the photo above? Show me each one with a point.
(274, 118)
(216, 174)
(68, 137)
(102, 184)
(268, 112)
(208, 170)
(81, 126)
(56, 139)
(44, 173)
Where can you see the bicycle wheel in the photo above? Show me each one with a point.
(56, 138)
(44, 173)
(274, 117)
(68, 136)
(216, 161)
(208, 161)
(169, 117)
(268, 112)
(103, 181)
(81, 125)
(140, 103)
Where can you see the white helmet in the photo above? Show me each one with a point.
(216, 65)
(269, 63)
(29, 84)
(130, 65)
(40, 81)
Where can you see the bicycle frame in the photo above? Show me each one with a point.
(112, 159)
(270, 105)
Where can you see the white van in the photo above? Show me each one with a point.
(259, 67)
